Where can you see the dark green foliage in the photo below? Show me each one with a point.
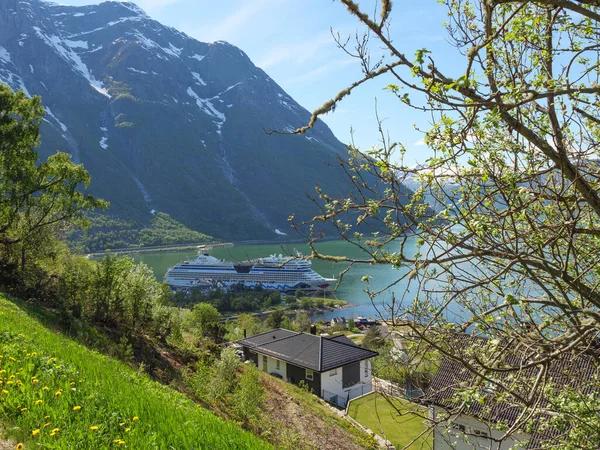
(238, 298)
(223, 383)
(306, 303)
(108, 232)
(275, 319)
(41, 201)
(373, 339)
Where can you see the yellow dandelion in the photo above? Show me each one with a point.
(10, 383)
(20, 335)
(4, 391)
(127, 430)
(12, 377)
(19, 383)
(2, 372)
(121, 424)
(39, 402)
(35, 432)
(58, 393)
(72, 383)
(35, 381)
(135, 418)
(10, 358)
(93, 428)
(46, 417)
(46, 425)
(34, 354)
(45, 388)
(19, 446)
(119, 441)
(76, 408)
(54, 431)
(1, 382)
(23, 409)
(50, 360)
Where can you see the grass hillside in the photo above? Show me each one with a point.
(55, 393)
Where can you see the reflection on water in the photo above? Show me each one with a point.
(351, 289)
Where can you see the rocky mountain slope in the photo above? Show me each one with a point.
(164, 122)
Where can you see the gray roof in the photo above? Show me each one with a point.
(576, 371)
(317, 353)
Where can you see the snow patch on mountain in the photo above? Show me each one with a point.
(137, 71)
(206, 106)
(109, 24)
(143, 190)
(103, 143)
(198, 78)
(4, 55)
(63, 127)
(226, 90)
(280, 233)
(65, 52)
(174, 50)
(132, 7)
(149, 44)
(198, 57)
(11, 78)
(76, 44)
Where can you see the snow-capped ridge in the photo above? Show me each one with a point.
(65, 52)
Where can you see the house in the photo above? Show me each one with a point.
(334, 368)
(340, 321)
(479, 424)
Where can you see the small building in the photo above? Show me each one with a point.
(334, 368)
(482, 424)
(340, 321)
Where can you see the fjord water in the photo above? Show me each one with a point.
(351, 289)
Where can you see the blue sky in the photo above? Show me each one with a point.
(291, 41)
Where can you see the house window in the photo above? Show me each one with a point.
(333, 372)
(480, 433)
(350, 375)
(310, 375)
(277, 364)
(458, 427)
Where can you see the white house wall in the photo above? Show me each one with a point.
(333, 383)
(272, 366)
(452, 438)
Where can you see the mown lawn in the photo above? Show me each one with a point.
(400, 424)
(57, 394)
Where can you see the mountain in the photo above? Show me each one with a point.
(164, 122)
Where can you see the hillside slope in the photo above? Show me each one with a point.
(58, 394)
(164, 122)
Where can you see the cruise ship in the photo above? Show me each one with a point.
(274, 272)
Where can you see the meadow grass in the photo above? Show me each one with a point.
(400, 422)
(56, 393)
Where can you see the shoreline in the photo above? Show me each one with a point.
(195, 246)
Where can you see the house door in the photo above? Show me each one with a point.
(264, 363)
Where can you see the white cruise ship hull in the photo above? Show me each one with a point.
(281, 274)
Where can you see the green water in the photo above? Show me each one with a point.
(351, 288)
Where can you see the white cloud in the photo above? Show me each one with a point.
(297, 52)
(319, 72)
(420, 142)
(230, 27)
